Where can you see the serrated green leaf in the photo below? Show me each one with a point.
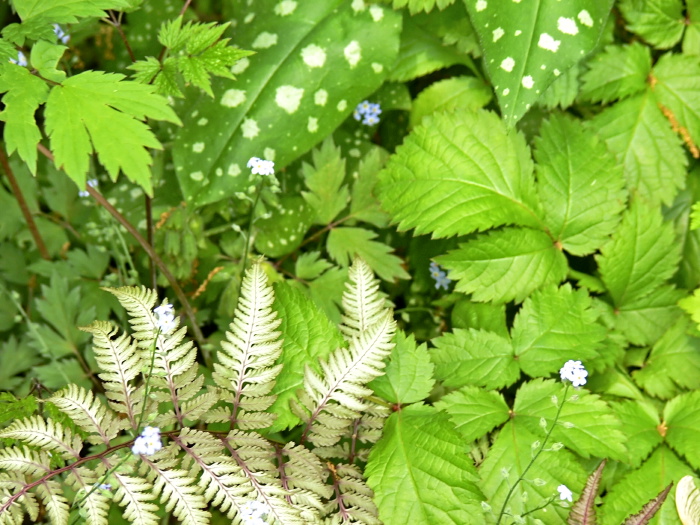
(408, 377)
(505, 265)
(364, 205)
(416, 6)
(309, 265)
(677, 88)
(12, 408)
(640, 423)
(24, 93)
(475, 411)
(309, 336)
(65, 11)
(285, 100)
(283, 231)
(448, 95)
(460, 172)
(562, 92)
(14, 360)
(587, 425)
(327, 291)
(636, 488)
(673, 364)
(553, 326)
(577, 174)
(682, 419)
(645, 320)
(480, 316)
(507, 460)
(344, 244)
(328, 196)
(84, 112)
(642, 254)
(44, 57)
(146, 70)
(616, 73)
(659, 22)
(474, 357)
(639, 135)
(452, 25)
(525, 49)
(420, 468)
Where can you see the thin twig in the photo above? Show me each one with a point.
(23, 206)
(117, 23)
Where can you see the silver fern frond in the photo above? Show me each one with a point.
(363, 304)
(47, 435)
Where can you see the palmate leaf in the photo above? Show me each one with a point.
(576, 171)
(420, 469)
(617, 73)
(474, 411)
(659, 22)
(641, 485)
(553, 326)
(505, 265)
(639, 135)
(457, 173)
(682, 418)
(507, 459)
(286, 81)
(525, 49)
(83, 112)
(24, 93)
(642, 254)
(640, 423)
(645, 320)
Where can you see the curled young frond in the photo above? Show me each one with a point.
(246, 365)
(363, 305)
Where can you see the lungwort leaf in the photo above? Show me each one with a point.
(527, 46)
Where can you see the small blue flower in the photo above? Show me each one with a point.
(21, 59)
(441, 279)
(148, 443)
(93, 183)
(62, 36)
(368, 112)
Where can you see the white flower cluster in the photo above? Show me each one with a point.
(367, 112)
(575, 372)
(148, 443)
(252, 513)
(564, 493)
(165, 318)
(261, 167)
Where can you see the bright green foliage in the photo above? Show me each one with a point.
(345, 243)
(525, 49)
(448, 95)
(582, 183)
(630, 66)
(327, 196)
(431, 477)
(474, 411)
(682, 419)
(640, 424)
(416, 6)
(283, 102)
(81, 114)
(645, 320)
(659, 22)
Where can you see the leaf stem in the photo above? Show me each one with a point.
(534, 458)
(38, 240)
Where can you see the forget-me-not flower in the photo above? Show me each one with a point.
(165, 318)
(261, 167)
(148, 443)
(368, 112)
(564, 493)
(575, 372)
(440, 276)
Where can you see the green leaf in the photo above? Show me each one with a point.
(84, 112)
(408, 377)
(553, 326)
(283, 231)
(420, 469)
(682, 419)
(65, 11)
(474, 357)
(616, 73)
(639, 135)
(44, 58)
(643, 484)
(12, 408)
(24, 93)
(677, 88)
(475, 411)
(285, 99)
(365, 205)
(587, 425)
(345, 243)
(645, 320)
(449, 95)
(328, 197)
(577, 174)
(15, 359)
(509, 456)
(309, 336)
(309, 265)
(525, 49)
(416, 6)
(505, 265)
(563, 91)
(480, 316)
(659, 22)
(457, 173)
(640, 423)
(327, 290)
(673, 364)
(641, 256)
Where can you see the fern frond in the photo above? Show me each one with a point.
(330, 403)
(94, 506)
(583, 511)
(88, 412)
(11, 483)
(649, 509)
(25, 460)
(121, 363)
(247, 361)
(362, 302)
(353, 501)
(139, 303)
(136, 496)
(302, 474)
(47, 435)
(54, 501)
